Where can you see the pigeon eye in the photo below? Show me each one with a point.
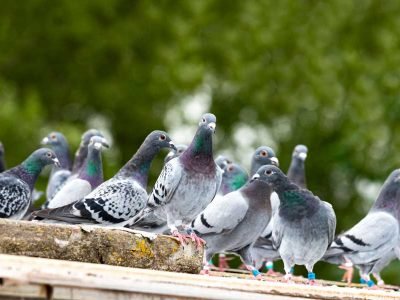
(203, 120)
(264, 153)
(268, 172)
(53, 137)
(48, 154)
(180, 151)
(163, 137)
(230, 169)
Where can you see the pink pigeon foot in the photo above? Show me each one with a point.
(198, 241)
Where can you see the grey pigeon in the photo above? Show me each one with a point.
(82, 151)
(151, 222)
(16, 184)
(222, 161)
(262, 251)
(175, 153)
(58, 175)
(262, 156)
(374, 236)
(232, 223)
(188, 183)
(297, 171)
(2, 158)
(89, 177)
(119, 200)
(233, 178)
(304, 226)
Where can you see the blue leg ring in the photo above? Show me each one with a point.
(255, 272)
(269, 265)
(363, 281)
(311, 276)
(370, 283)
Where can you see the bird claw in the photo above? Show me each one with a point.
(198, 241)
(348, 275)
(205, 272)
(311, 282)
(272, 273)
(258, 277)
(183, 239)
(288, 278)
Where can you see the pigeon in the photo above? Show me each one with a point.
(82, 151)
(16, 184)
(262, 250)
(188, 183)
(175, 153)
(304, 226)
(262, 156)
(119, 200)
(89, 177)
(2, 158)
(222, 161)
(58, 175)
(233, 178)
(366, 243)
(232, 223)
(297, 172)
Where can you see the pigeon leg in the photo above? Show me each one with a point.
(207, 263)
(181, 237)
(288, 266)
(245, 255)
(379, 280)
(311, 274)
(366, 279)
(197, 240)
(223, 262)
(348, 267)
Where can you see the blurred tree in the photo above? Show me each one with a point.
(319, 73)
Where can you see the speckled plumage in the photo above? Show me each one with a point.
(120, 199)
(16, 184)
(188, 183)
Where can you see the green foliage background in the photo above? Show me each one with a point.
(321, 73)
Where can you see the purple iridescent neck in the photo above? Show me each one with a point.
(28, 171)
(199, 155)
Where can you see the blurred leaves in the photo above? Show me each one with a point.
(320, 73)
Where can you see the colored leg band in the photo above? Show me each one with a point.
(370, 283)
(311, 276)
(291, 270)
(269, 265)
(363, 281)
(255, 272)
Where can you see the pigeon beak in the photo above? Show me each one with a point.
(275, 161)
(255, 177)
(56, 162)
(303, 155)
(45, 141)
(170, 154)
(212, 126)
(104, 143)
(172, 145)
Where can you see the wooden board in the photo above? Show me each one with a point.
(28, 277)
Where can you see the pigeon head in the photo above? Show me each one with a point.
(389, 196)
(300, 152)
(39, 159)
(208, 122)
(87, 135)
(175, 153)
(222, 161)
(233, 178)
(159, 139)
(270, 174)
(98, 143)
(55, 139)
(263, 156)
(58, 142)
